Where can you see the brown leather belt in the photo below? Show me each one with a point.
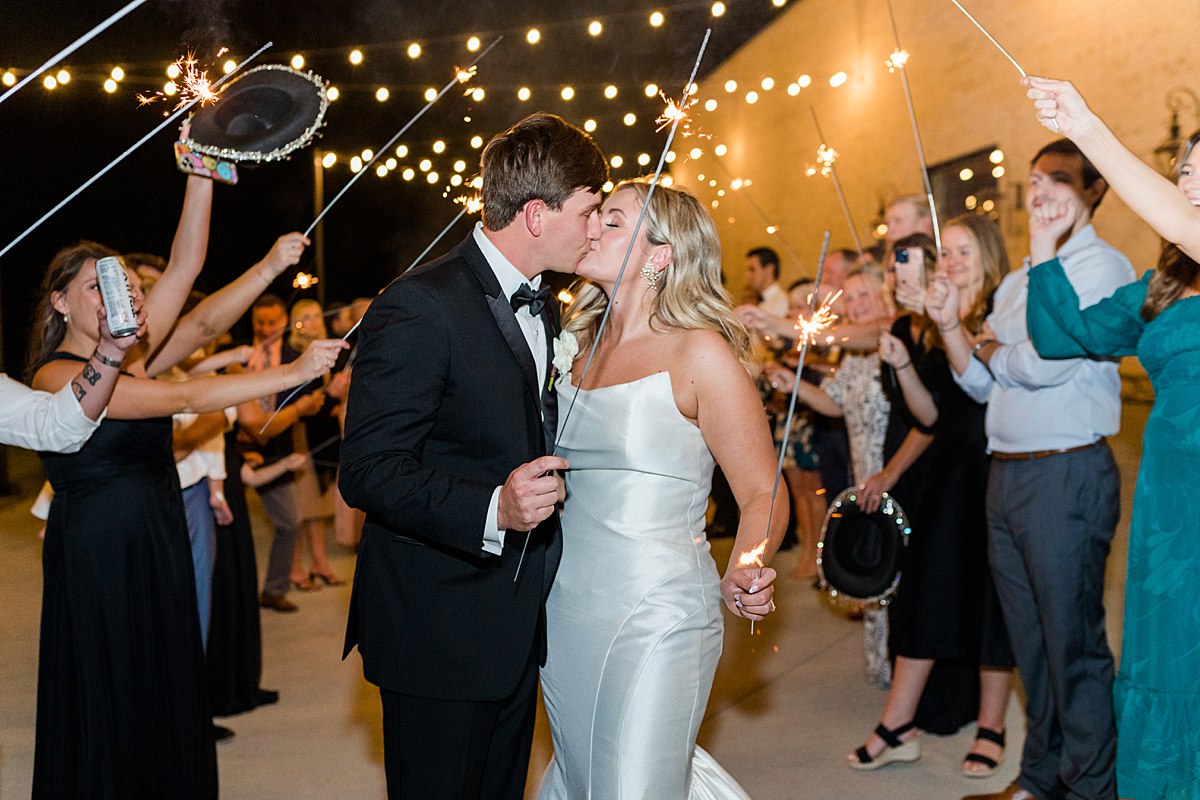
(1033, 455)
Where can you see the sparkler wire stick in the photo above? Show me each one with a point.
(662, 160)
(787, 425)
(182, 110)
(72, 47)
(455, 81)
(354, 327)
(837, 185)
(902, 68)
(984, 31)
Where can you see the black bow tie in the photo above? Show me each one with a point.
(526, 296)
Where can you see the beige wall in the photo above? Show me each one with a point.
(1123, 54)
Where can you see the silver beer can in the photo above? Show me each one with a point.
(117, 296)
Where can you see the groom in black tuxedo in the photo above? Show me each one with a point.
(449, 424)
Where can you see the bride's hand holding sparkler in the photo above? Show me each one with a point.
(748, 591)
(1060, 107)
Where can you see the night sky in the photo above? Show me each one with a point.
(51, 142)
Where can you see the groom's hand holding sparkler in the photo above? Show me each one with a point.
(530, 494)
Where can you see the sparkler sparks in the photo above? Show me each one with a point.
(676, 111)
(193, 82)
(809, 328)
(464, 74)
(472, 204)
(826, 157)
(897, 60)
(752, 558)
(304, 281)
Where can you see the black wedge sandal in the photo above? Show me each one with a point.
(990, 765)
(896, 750)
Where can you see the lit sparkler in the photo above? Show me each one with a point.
(194, 85)
(893, 65)
(827, 158)
(127, 153)
(752, 558)
(461, 75)
(472, 204)
(676, 113)
(819, 321)
(897, 60)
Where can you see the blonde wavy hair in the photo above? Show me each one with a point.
(690, 295)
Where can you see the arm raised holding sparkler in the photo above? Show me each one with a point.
(221, 309)
(1173, 214)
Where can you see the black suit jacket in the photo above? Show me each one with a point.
(444, 403)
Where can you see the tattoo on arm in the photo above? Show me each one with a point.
(79, 391)
(90, 374)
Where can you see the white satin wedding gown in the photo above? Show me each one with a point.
(634, 617)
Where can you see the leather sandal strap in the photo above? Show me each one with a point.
(863, 756)
(976, 758)
(989, 735)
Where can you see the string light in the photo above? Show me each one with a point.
(329, 160)
(751, 97)
(414, 51)
(333, 93)
(381, 170)
(356, 57)
(610, 91)
(401, 150)
(731, 86)
(710, 105)
(391, 164)
(169, 88)
(720, 150)
(425, 165)
(651, 90)
(595, 28)
(460, 165)
(456, 180)
(695, 152)
(9, 78)
(430, 94)
(793, 89)
(656, 19)
(432, 177)
(524, 94)
(778, 3)
(616, 161)
(533, 36)
(589, 125)
(64, 77)
(356, 164)
(477, 141)
(998, 171)
(996, 156)
(671, 157)
(630, 119)
(297, 61)
(567, 93)
(382, 94)
(804, 81)
(966, 174)
(643, 159)
(110, 86)
(439, 146)
(607, 187)
(838, 79)
(408, 174)
(768, 84)
(718, 9)
(117, 74)
(368, 154)
(229, 66)
(473, 44)
(173, 71)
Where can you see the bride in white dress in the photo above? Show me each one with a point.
(634, 618)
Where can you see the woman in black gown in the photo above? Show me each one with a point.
(122, 697)
(945, 614)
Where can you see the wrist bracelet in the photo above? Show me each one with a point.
(982, 343)
(108, 362)
(902, 366)
(953, 327)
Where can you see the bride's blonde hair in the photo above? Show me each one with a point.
(689, 295)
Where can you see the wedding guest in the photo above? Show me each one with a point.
(907, 215)
(1053, 492)
(118, 594)
(1158, 318)
(945, 611)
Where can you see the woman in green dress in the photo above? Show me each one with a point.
(1157, 691)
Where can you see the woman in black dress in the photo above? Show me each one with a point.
(122, 697)
(945, 611)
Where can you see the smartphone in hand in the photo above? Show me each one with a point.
(910, 269)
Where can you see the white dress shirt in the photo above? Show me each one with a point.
(1040, 404)
(42, 421)
(775, 301)
(510, 279)
(207, 460)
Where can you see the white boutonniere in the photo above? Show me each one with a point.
(566, 348)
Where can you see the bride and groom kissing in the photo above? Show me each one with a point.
(469, 581)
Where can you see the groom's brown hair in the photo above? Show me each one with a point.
(542, 157)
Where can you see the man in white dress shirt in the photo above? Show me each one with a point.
(762, 275)
(1053, 493)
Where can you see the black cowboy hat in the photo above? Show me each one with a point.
(265, 114)
(859, 553)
